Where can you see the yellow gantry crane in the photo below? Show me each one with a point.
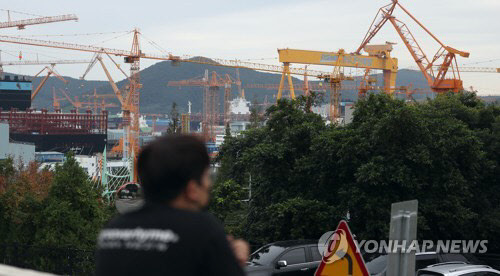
(378, 58)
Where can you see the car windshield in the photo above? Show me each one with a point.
(266, 254)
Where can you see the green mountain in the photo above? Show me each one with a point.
(156, 97)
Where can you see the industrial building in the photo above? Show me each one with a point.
(19, 151)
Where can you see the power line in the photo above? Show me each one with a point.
(491, 60)
(113, 38)
(23, 13)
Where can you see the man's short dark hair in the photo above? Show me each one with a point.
(166, 165)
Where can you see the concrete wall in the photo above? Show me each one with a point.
(4, 139)
(18, 151)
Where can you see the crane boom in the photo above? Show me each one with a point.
(73, 103)
(479, 70)
(21, 24)
(50, 71)
(42, 62)
(247, 65)
(185, 58)
(90, 66)
(377, 25)
(466, 69)
(39, 87)
(112, 83)
(63, 45)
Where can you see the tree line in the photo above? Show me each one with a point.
(49, 220)
(305, 176)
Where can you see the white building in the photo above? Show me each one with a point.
(23, 152)
(91, 164)
(236, 128)
(240, 106)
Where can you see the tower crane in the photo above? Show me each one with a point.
(238, 83)
(434, 69)
(211, 83)
(94, 98)
(55, 100)
(21, 24)
(366, 84)
(335, 79)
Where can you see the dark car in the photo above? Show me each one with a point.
(285, 258)
(378, 265)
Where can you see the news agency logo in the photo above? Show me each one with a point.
(440, 246)
(333, 246)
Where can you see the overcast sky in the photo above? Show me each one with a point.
(253, 30)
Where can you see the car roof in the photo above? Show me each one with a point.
(291, 243)
(451, 267)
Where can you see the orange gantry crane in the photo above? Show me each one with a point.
(435, 69)
(212, 84)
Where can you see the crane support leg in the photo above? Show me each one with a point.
(286, 73)
(290, 83)
(390, 81)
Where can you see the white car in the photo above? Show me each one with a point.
(458, 269)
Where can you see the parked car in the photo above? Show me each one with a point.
(458, 269)
(300, 257)
(378, 265)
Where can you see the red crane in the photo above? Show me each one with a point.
(444, 61)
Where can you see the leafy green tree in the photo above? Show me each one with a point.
(271, 156)
(73, 211)
(293, 218)
(49, 220)
(228, 205)
(443, 152)
(7, 171)
(21, 199)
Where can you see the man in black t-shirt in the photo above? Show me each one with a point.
(170, 235)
